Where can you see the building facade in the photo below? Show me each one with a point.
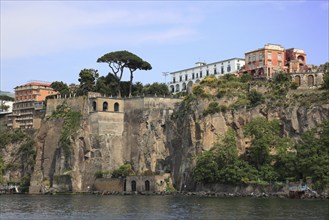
(29, 100)
(264, 62)
(183, 80)
(273, 58)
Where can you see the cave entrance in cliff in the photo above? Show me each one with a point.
(116, 107)
(133, 186)
(147, 185)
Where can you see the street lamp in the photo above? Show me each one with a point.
(165, 74)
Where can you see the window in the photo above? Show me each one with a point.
(222, 70)
(193, 76)
(280, 63)
(147, 185)
(279, 56)
(174, 79)
(207, 72)
(180, 78)
(94, 106)
(228, 68)
(197, 75)
(186, 77)
(105, 106)
(269, 63)
(260, 56)
(269, 55)
(238, 66)
(133, 185)
(200, 74)
(116, 107)
(215, 71)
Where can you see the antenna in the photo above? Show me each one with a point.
(165, 74)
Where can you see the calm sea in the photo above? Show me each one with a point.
(157, 207)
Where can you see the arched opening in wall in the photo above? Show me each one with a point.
(172, 88)
(310, 80)
(177, 88)
(184, 87)
(297, 80)
(147, 185)
(133, 186)
(94, 106)
(301, 58)
(105, 106)
(116, 107)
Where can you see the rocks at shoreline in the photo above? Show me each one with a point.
(214, 194)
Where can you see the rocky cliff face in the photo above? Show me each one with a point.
(155, 135)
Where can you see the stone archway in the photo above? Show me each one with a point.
(105, 106)
(94, 106)
(298, 80)
(133, 186)
(116, 107)
(310, 80)
(147, 185)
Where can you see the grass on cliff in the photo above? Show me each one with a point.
(230, 93)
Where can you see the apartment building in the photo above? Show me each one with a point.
(29, 101)
(183, 80)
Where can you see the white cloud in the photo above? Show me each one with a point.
(40, 28)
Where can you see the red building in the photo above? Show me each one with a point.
(264, 62)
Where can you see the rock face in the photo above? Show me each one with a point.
(154, 134)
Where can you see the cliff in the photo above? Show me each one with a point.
(155, 135)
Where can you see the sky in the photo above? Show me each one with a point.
(54, 40)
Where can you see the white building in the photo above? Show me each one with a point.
(184, 79)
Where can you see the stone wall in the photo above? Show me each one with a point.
(109, 185)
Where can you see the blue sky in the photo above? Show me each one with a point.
(54, 40)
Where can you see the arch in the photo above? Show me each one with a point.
(94, 106)
(183, 86)
(116, 107)
(105, 106)
(177, 88)
(147, 185)
(133, 186)
(297, 80)
(172, 88)
(301, 58)
(310, 80)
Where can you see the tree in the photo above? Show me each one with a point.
(265, 135)
(206, 169)
(119, 60)
(107, 85)
(255, 98)
(325, 69)
(60, 87)
(313, 156)
(155, 88)
(123, 171)
(87, 81)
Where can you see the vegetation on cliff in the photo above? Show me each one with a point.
(272, 155)
(20, 156)
(72, 120)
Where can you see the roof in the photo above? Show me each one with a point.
(35, 84)
(206, 64)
